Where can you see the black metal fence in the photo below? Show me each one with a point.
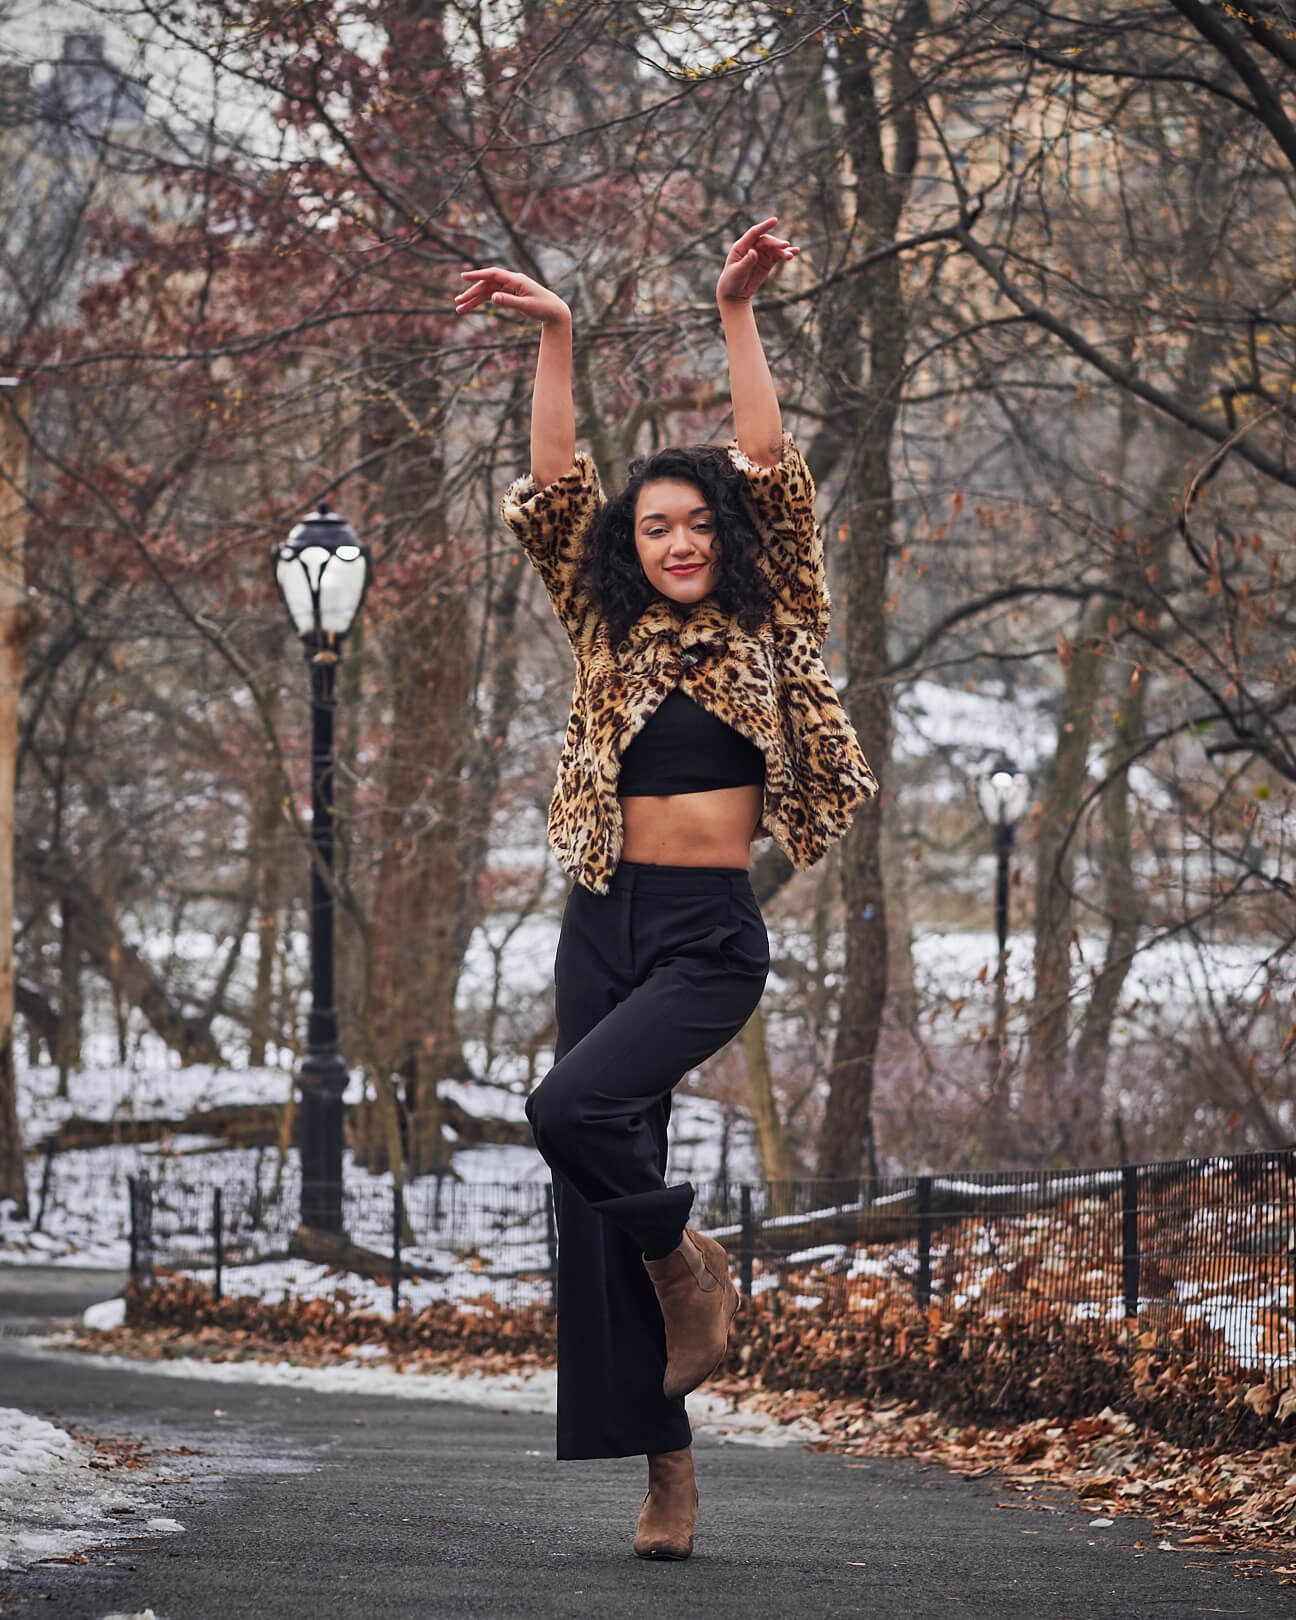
(1201, 1252)
(436, 1238)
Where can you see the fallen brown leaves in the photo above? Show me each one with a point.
(117, 1451)
(178, 1318)
(324, 1329)
(1010, 1367)
(150, 1343)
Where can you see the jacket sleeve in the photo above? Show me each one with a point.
(782, 501)
(551, 524)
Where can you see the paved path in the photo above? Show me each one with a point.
(30, 1296)
(303, 1506)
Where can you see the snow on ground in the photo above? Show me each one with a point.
(971, 728)
(54, 1502)
(150, 1089)
(495, 1192)
(1166, 989)
(106, 1315)
(275, 1281)
(486, 1101)
(534, 1391)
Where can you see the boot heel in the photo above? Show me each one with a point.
(669, 1515)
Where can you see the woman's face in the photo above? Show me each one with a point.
(676, 539)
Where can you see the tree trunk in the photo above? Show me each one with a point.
(68, 1049)
(1093, 1043)
(1140, 573)
(1137, 566)
(846, 1145)
(1048, 1093)
(490, 744)
(420, 881)
(41, 1017)
(1065, 1084)
(268, 819)
(902, 994)
(847, 1148)
(125, 969)
(423, 889)
(1054, 874)
(351, 852)
(771, 1134)
(14, 629)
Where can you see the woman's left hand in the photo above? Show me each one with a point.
(750, 260)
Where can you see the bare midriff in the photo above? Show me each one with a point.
(714, 828)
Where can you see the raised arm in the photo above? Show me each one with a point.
(758, 422)
(551, 508)
(553, 414)
(779, 486)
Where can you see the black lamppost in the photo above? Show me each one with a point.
(322, 572)
(1003, 795)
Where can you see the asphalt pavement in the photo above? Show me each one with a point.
(305, 1506)
(33, 1296)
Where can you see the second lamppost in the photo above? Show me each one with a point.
(322, 572)
(1003, 795)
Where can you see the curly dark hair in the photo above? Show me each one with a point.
(612, 570)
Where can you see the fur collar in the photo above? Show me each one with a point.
(702, 626)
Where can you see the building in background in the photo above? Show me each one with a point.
(85, 99)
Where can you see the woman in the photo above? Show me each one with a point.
(702, 718)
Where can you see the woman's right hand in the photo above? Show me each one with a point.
(509, 289)
(553, 414)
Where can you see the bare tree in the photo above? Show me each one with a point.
(15, 626)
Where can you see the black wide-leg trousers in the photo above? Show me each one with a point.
(650, 979)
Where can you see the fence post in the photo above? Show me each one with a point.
(551, 1238)
(747, 1241)
(256, 1212)
(398, 1220)
(923, 1209)
(218, 1235)
(46, 1171)
(1130, 1237)
(141, 1226)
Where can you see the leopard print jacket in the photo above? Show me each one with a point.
(771, 687)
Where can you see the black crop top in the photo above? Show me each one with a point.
(683, 749)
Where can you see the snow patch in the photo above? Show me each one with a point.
(30, 1447)
(105, 1316)
(52, 1502)
(970, 728)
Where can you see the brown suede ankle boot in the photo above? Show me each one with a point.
(698, 1301)
(670, 1507)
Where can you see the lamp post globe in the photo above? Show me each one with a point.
(322, 572)
(1003, 794)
